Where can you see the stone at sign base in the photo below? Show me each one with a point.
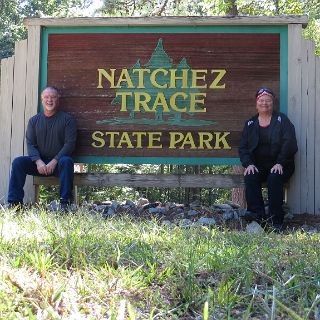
(254, 227)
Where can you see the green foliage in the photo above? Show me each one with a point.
(206, 196)
(311, 8)
(12, 13)
(83, 266)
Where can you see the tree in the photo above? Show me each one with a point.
(12, 13)
(311, 8)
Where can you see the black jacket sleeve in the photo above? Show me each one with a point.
(288, 142)
(244, 152)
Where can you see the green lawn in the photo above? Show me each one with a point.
(81, 266)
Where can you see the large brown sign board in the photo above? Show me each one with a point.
(165, 97)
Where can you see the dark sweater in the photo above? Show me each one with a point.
(51, 137)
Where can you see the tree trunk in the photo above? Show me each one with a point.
(238, 194)
(231, 8)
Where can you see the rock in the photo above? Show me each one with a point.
(53, 205)
(233, 205)
(142, 201)
(312, 231)
(150, 205)
(241, 212)
(185, 223)
(236, 215)
(221, 206)
(178, 215)
(195, 204)
(101, 208)
(107, 203)
(130, 203)
(206, 221)
(192, 213)
(254, 227)
(228, 215)
(159, 210)
(109, 212)
(115, 204)
(166, 223)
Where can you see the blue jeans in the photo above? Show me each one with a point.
(21, 166)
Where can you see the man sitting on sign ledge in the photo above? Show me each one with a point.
(267, 148)
(51, 139)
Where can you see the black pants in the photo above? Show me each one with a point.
(275, 182)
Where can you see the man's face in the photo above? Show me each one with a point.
(50, 101)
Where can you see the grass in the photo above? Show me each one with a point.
(82, 266)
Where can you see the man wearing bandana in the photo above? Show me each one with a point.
(267, 148)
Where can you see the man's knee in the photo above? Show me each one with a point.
(66, 162)
(19, 162)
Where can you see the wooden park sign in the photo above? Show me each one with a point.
(163, 94)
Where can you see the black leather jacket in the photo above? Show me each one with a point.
(283, 142)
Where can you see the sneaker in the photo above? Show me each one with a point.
(15, 206)
(67, 207)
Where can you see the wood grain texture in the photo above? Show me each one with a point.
(317, 139)
(304, 124)
(250, 61)
(149, 180)
(19, 99)
(32, 85)
(310, 175)
(151, 21)
(6, 97)
(294, 108)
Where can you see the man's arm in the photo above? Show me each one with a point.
(70, 137)
(31, 139)
(32, 147)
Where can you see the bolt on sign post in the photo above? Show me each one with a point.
(163, 93)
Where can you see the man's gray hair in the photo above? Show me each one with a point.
(51, 88)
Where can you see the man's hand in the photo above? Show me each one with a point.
(251, 169)
(277, 168)
(51, 166)
(41, 167)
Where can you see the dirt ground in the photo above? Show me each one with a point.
(304, 220)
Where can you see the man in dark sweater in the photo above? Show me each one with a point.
(51, 138)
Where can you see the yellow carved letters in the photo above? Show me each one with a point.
(154, 137)
(125, 77)
(221, 139)
(154, 81)
(195, 99)
(198, 75)
(214, 84)
(109, 77)
(98, 139)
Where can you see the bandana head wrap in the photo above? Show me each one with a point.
(264, 92)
